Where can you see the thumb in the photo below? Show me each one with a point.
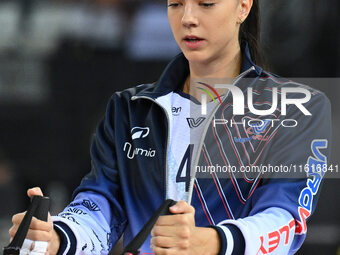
(34, 192)
(181, 207)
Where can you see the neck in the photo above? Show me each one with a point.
(216, 71)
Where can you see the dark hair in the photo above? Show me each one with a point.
(250, 31)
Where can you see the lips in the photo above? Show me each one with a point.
(192, 41)
(192, 38)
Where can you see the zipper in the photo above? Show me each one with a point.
(167, 143)
(212, 115)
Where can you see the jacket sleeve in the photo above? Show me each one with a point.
(283, 202)
(95, 220)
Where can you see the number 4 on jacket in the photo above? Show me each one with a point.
(186, 161)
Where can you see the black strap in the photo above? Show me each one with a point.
(38, 208)
(133, 247)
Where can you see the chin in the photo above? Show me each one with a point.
(195, 56)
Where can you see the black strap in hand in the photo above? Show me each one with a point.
(133, 247)
(38, 208)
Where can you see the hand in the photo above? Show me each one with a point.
(39, 230)
(177, 234)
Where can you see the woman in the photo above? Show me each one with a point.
(152, 134)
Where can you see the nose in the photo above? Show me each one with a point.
(189, 18)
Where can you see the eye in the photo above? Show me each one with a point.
(173, 5)
(207, 5)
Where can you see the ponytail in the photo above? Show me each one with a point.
(250, 32)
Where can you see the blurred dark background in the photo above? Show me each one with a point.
(61, 60)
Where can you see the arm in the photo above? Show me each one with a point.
(95, 220)
(84, 225)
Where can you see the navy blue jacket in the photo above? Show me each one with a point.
(254, 212)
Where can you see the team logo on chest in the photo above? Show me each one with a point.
(138, 133)
(193, 123)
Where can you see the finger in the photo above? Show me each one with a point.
(169, 242)
(164, 251)
(163, 241)
(170, 220)
(36, 224)
(34, 192)
(171, 231)
(17, 218)
(182, 207)
(13, 230)
(163, 231)
(37, 235)
(33, 234)
(49, 218)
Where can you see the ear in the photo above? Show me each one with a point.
(245, 7)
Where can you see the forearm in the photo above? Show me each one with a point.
(84, 225)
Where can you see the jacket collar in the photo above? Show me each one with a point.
(174, 75)
(247, 61)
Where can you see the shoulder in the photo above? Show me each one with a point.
(287, 97)
(297, 88)
(128, 93)
(120, 101)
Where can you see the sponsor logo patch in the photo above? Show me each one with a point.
(139, 132)
(176, 110)
(193, 123)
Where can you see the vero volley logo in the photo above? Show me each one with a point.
(204, 96)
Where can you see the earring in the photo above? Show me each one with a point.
(240, 21)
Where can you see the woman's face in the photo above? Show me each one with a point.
(206, 30)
